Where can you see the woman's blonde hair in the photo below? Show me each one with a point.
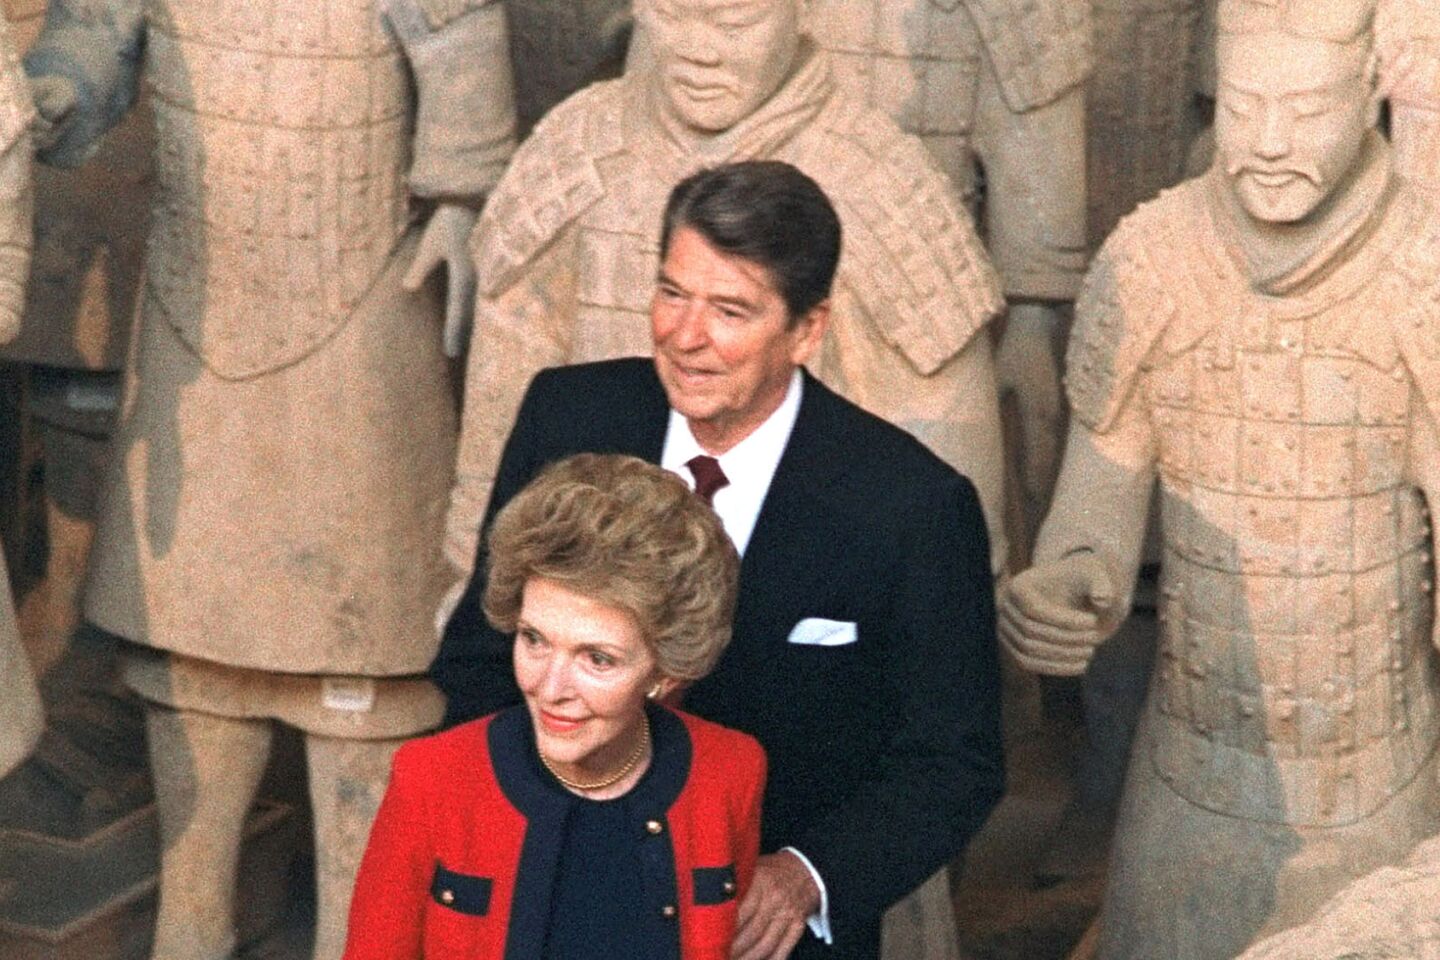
(630, 535)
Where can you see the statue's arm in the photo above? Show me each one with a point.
(459, 52)
(1087, 554)
(1055, 614)
(518, 331)
(85, 72)
(1102, 498)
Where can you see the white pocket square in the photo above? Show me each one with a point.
(819, 632)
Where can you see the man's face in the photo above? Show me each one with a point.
(723, 347)
(1291, 119)
(718, 60)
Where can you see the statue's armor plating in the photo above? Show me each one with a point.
(1295, 682)
(262, 247)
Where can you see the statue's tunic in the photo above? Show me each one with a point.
(279, 481)
(994, 81)
(568, 249)
(1292, 718)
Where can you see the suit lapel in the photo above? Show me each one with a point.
(643, 426)
(811, 463)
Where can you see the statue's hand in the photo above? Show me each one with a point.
(1028, 369)
(55, 99)
(446, 240)
(1054, 615)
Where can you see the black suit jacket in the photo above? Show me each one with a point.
(884, 753)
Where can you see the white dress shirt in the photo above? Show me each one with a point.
(749, 466)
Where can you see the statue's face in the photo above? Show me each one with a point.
(1291, 119)
(718, 60)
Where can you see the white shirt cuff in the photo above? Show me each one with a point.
(819, 921)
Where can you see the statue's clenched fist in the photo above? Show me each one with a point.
(1054, 615)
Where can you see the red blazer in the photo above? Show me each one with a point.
(462, 857)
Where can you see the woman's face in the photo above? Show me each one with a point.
(584, 669)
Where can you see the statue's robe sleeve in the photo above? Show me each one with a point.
(1103, 494)
(459, 52)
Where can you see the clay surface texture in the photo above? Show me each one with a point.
(1386, 915)
(268, 536)
(1259, 339)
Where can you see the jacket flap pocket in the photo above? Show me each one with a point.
(714, 885)
(460, 892)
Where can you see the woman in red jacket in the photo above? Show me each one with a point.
(591, 822)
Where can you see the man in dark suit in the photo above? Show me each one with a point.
(864, 654)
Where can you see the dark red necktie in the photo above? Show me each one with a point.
(708, 476)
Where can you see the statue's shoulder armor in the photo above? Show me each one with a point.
(1137, 293)
(553, 179)
(911, 256)
(1038, 49)
(1413, 299)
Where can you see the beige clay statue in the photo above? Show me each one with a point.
(1386, 915)
(1262, 339)
(1407, 34)
(998, 84)
(567, 249)
(20, 717)
(268, 537)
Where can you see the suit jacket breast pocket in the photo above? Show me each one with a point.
(457, 921)
(713, 908)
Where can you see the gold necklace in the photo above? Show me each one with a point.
(621, 774)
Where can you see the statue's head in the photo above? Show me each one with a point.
(718, 60)
(1295, 102)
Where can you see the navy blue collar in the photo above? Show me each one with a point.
(533, 792)
(546, 807)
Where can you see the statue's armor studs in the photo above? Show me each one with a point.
(1294, 685)
(281, 197)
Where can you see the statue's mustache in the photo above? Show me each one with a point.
(1236, 167)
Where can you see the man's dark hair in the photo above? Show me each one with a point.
(766, 212)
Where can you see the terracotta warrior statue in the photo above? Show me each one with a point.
(1384, 915)
(998, 84)
(1407, 33)
(268, 538)
(20, 716)
(567, 248)
(1261, 339)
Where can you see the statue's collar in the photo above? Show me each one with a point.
(1290, 260)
